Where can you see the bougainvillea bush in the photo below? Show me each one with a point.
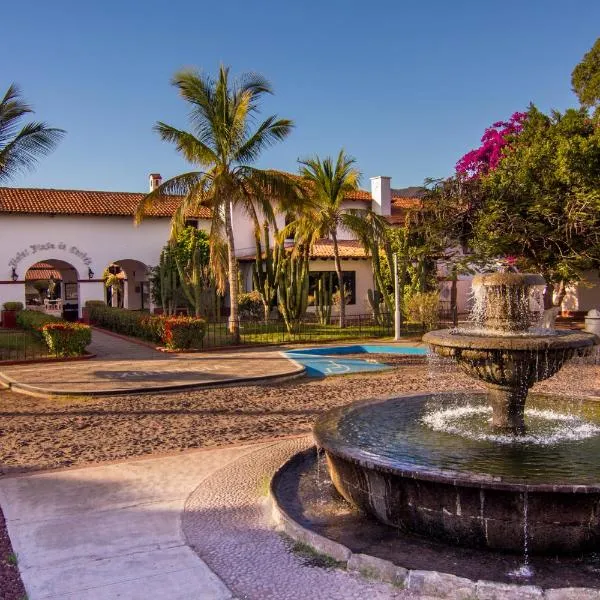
(66, 339)
(494, 141)
(182, 333)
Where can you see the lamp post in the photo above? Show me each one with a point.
(397, 313)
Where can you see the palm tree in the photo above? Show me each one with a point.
(20, 147)
(326, 184)
(223, 144)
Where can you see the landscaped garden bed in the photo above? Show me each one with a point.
(39, 336)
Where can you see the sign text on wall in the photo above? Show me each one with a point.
(33, 249)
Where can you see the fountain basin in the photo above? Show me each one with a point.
(384, 461)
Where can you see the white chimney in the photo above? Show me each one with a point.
(155, 181)
(381, 191)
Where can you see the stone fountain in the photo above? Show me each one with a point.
(502, 351)
(523, 474)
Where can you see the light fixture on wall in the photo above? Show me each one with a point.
(90, 273)
(14, 275)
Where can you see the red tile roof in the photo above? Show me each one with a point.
(42, 270)
(323, 248)
(359, 195)
(83, 202)
(401, 206)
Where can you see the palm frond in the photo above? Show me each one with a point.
(21, 153)
(185, 186)
(195, 151)
(268, 133)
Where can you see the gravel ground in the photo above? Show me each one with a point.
(38, 433)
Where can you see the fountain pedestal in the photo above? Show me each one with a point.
(508, 408)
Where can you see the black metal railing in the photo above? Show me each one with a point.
(309, 330)
(17, 345)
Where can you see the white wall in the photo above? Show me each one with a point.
(585, 295)
(82, 241)
(364, 281)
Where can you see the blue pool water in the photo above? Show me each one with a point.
(321, 362)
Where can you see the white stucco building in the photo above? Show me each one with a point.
(73, 236)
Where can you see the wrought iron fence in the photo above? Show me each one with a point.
(311, 330)
(17, 345)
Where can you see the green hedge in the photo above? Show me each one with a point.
(181, 333)
(13, 306)
(66, 339)
(126, 322)
(33, 320)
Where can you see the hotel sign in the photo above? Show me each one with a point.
(33, 249)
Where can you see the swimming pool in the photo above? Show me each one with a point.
(320, 362)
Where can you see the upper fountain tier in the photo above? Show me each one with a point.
(507, 303)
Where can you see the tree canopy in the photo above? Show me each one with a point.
(585, 78)
(542, 202)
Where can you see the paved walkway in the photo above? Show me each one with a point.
(116, 531)
(112, 531)
(122, 366)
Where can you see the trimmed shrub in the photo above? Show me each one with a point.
(13, 306)
(66, 339)
(33, 320)
(89, 303)
(423, 308)
(250, 306)
(181, 333)
(127, 322)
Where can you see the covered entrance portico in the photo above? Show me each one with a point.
(52, 287)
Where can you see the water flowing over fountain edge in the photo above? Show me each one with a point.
(414, 499)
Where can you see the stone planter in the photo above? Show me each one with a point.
(9, 319)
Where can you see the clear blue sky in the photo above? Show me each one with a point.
(405, 87)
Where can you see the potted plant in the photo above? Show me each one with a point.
(9, 314)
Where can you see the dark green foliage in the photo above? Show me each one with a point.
(33, 320)
(13, 306)
(67, 339)
(183, 333)
(127, 322)
(542, 202)
(586, 78)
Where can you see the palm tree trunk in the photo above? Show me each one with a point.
(234, 325)
(338, 270)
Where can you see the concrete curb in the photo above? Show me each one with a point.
(32, 390)
(429, 583)
(45, 361)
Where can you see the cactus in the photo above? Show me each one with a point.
(324, 298)
(293, 289)
(267, 270)
(168, 281)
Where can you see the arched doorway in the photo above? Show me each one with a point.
(127, 284)
(51, 286)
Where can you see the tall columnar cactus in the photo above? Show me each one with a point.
(169, 281)
(267, 269)
(324, 298)
(293, 289)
